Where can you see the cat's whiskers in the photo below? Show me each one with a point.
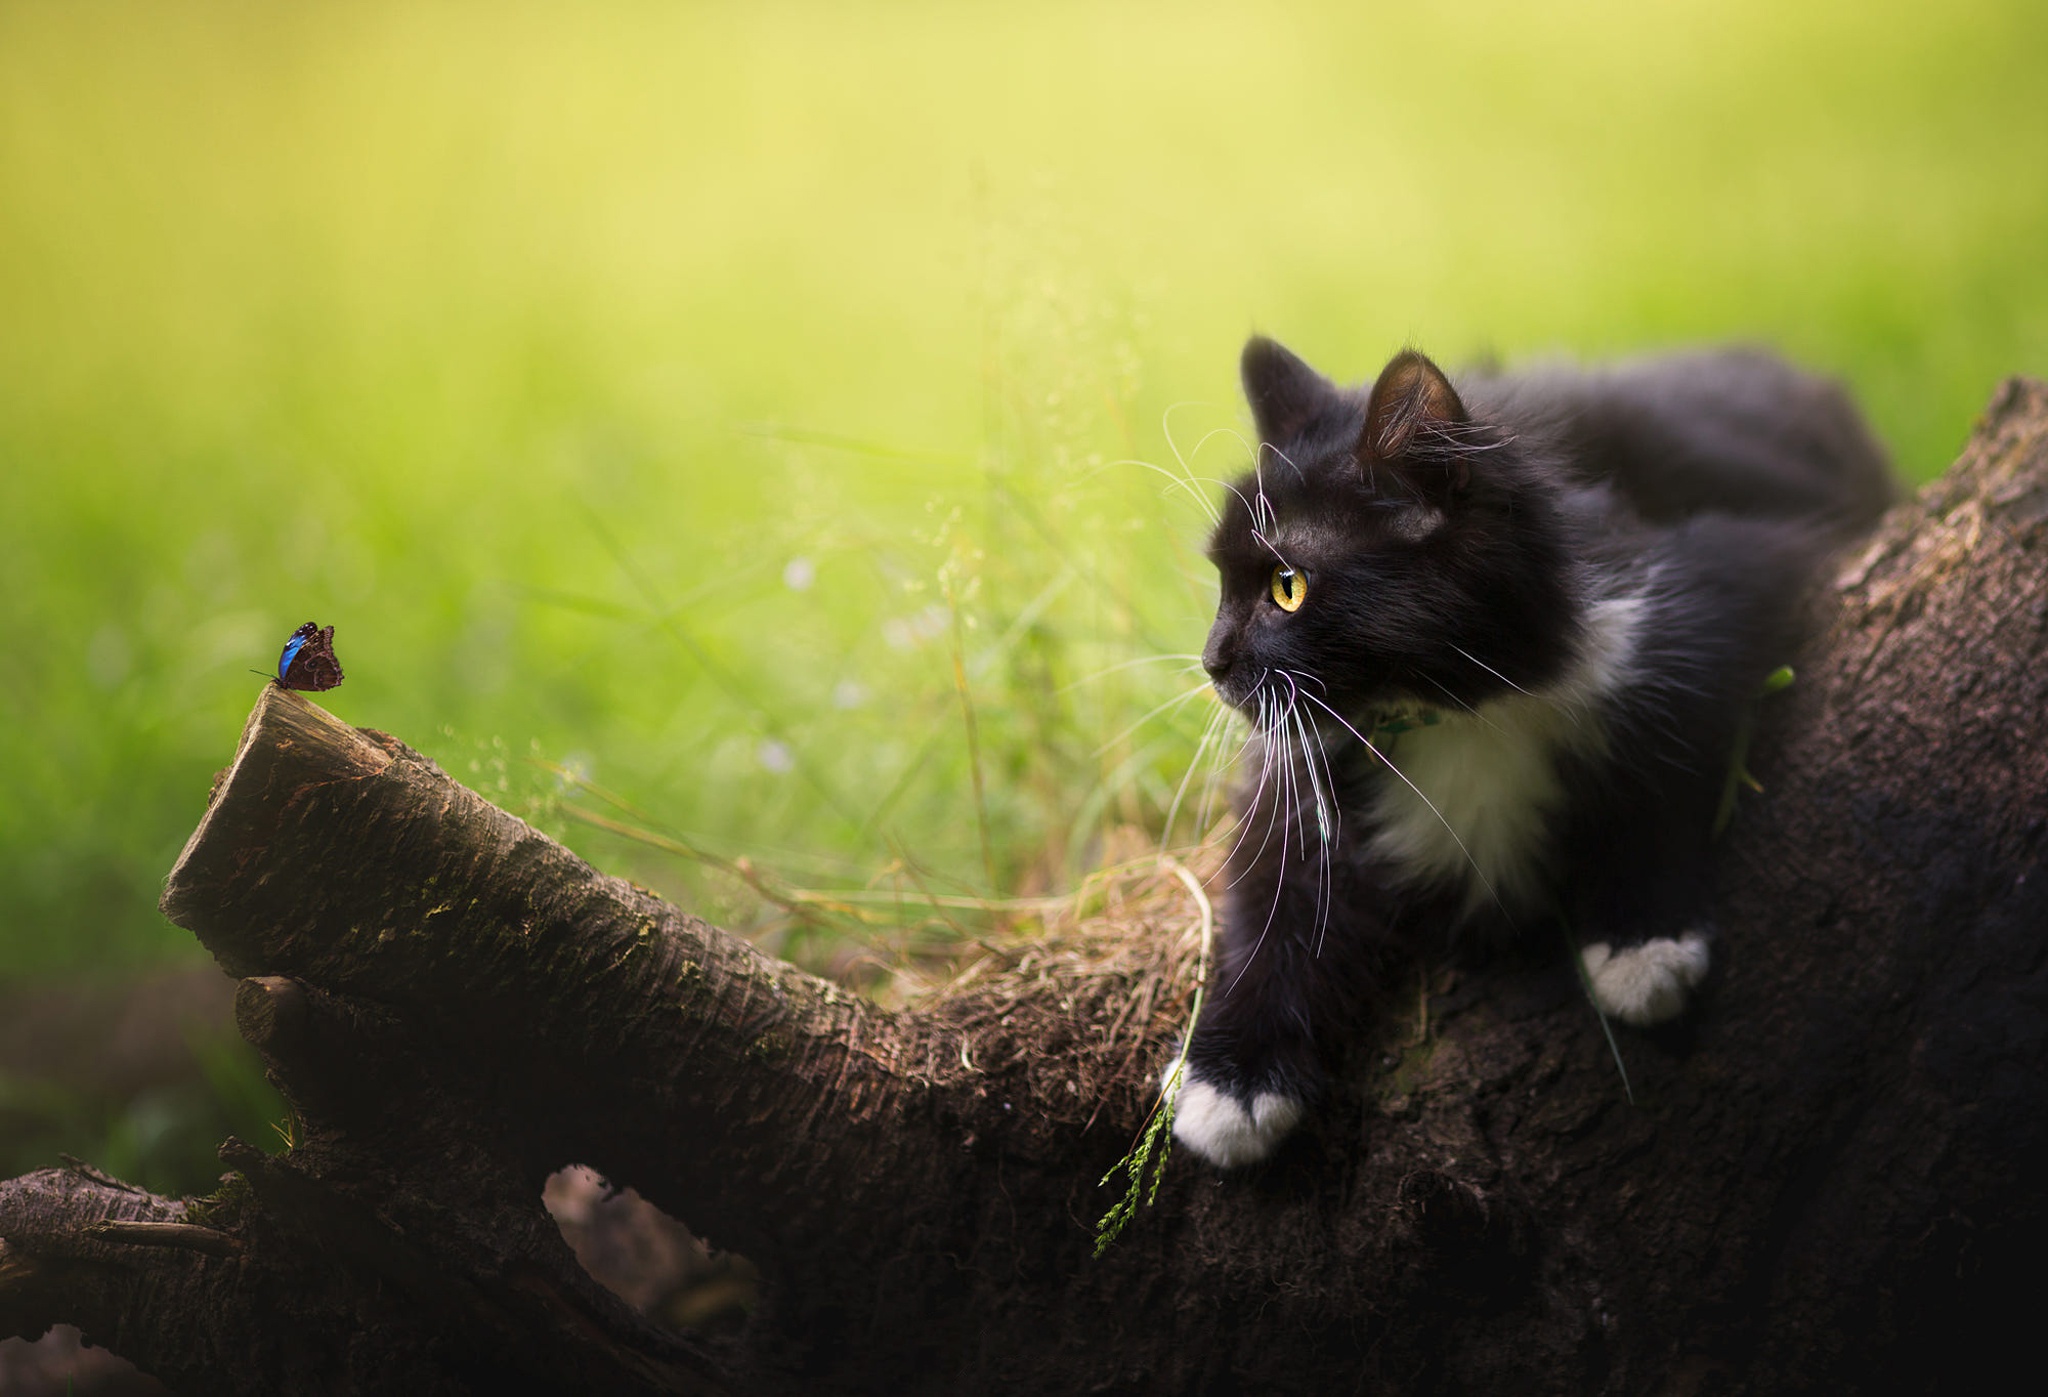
(1187, 471)
(1287, 730)
(1289, 461)
(1220, 768)
(1469, 709)
(1271, 547)
(1223, 767)
(1211, 730)
(1325, 885)
(1273, 719)
(1176, 701)
(1297, 678)
(1492, 671)
(1462, 441)
(1388, 762)
(1293, 715)
(1190, 485)
(1283, 785)
(1193, 663)
(1231, 486)
(1291, 813)
(1329, 813)
(1264, 518)
(1265, 775)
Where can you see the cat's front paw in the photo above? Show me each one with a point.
(1648, 983)
(1224, 1128)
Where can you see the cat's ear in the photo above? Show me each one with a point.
(1411, 398)
(1283, 391)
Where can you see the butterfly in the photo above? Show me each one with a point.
(308, 660)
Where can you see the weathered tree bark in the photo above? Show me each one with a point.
(1829, 1179)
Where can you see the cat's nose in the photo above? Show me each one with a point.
(1218, 656)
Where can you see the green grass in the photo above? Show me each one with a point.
(540, 350)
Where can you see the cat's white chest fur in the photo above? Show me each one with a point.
(1480, 787)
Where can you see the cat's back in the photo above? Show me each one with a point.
(1737, 431)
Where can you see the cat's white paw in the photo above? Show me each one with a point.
(1216, 1125)
(1646, 984)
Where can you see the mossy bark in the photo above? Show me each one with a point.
(1827, 1175)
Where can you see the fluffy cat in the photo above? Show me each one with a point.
(1495, 639)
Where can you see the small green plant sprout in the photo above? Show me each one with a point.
(1738, 757)
(1148, 1154)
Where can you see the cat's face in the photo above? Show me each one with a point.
(1385, 551)
(1324, 588)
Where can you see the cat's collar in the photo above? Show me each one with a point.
(1394, 722)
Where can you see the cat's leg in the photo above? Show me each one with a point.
(1645, 941)
(1287, 959)
(1725, 613)
(1250, 1070)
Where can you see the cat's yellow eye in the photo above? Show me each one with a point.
(1289, 587)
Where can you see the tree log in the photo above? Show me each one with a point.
(1827, 1179)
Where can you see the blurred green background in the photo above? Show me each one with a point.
(723, 403)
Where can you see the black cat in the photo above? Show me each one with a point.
(1495, 639)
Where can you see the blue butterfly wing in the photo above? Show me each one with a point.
(291, 649)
